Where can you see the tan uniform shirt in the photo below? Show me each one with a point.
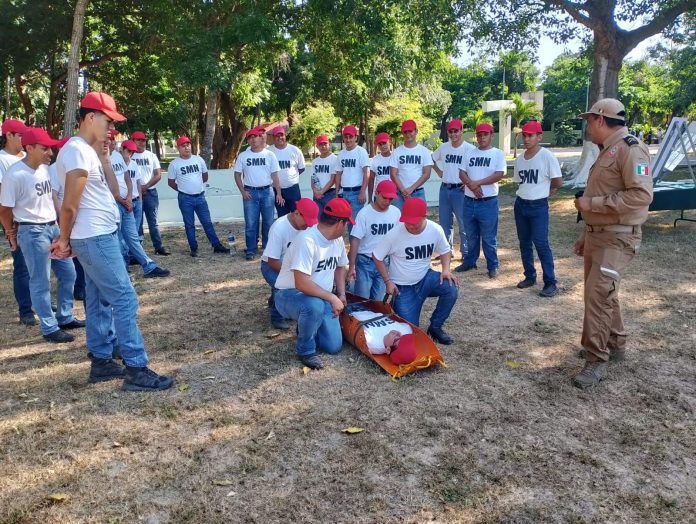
(619, 182)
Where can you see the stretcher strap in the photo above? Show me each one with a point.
(423, 363)
(361, 325)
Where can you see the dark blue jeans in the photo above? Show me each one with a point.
(79, 278)
(532, 222)
(150, 207)
(481, 223)
(291, 195)
(189, 205)
(409, 302)
(260, 207)
(20, 283)
(452, 206)
(270, 276)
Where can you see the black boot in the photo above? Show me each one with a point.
(104, 369)
(144, 379)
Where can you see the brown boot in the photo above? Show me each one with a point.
(591, 375)
(615, 355)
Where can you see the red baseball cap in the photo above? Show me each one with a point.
(138, 135)
(382, 138)
(405, 351)
(104, 103)
(278, 130)
(129, 145)
(254, 131)
(182, 140)
(484, 127)
(62, 142)
(409, 125)
(350, 130)
(387, 189)
(532, 128)
(339, 208)
(13, 126)
(309, 210)
(34, 135)
(113, 133)
(322, 139)
(414, 210)
(454, 124)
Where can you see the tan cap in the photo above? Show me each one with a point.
(607, 107)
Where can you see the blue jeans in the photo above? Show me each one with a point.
(197, 204)
(270, 276)
(316, 325)
(481, 224)
(325, 199)
(409, 302)
(138, 216)
(532, 222)
(79, 277)
(260, 206)
(35, 242)
(399, 200)
(130, 244)
(352, 198)
(291, 195)
(368, 282)
(150, 207)
(452, 204)
(112, 304)
(20, 283)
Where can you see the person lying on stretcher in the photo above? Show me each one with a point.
(385, 335)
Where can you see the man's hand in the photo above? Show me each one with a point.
(11, 237)
(583, 203)
(344, 300)
(351, 274)
(318, 195)
(246, 195)
(60, 249)
(337, 305)
(279, 199)
(447, 275)
(392, 289)
(361, 197)
(579, 247)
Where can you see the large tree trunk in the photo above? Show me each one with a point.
(157, 143)
(210, 125)
(29, 112)
(228, 137)
(200, 123)
(74, 67)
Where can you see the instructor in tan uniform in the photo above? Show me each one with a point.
(614, 205)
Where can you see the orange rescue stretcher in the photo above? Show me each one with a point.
(353, 332)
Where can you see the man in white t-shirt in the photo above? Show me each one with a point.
(481, 171)
(29, 218)
(410, 165)
(255, 171)
(380, 165)
(11, 152)
(282, 233)
(323, 172)
(372, 224)
(291, 165)
(89, 219)
(451, 154)
(410, 247)
(539, 175)
(352, 171)
(315, 262)
(150, 174)
(187, 176)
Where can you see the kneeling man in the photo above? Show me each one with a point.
(314, 262)
(410, 247)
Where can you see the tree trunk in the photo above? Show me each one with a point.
(200, 123)
(210, 125)
(74, 67)
(157, 143)
(228, 137)
(29, 112)
(366, 132)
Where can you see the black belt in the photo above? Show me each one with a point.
(257, 188)
(36, 223)
(134, 199)
(480, 199)
(534, 200)
(188, 194)
(452, 186)
(354, 188)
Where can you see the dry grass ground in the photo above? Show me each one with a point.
(501, 435)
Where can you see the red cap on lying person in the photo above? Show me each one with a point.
(405, 351)
(532, 128)
(339, 208)
(309, 210)
(414, 210)
(387, 189)
(484, 127)
(35, 136)
(104, 103)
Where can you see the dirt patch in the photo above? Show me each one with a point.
(501, 435)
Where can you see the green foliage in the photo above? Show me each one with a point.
(565, 85)
(389, 115)
(522, 110)
(565, 135)
(315, 120)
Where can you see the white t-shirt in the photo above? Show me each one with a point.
(409, 162)
(280, 236)
(481, 164)
(256, 168)
(147, 162)
(351, 164)
(29, 192)
(322, 170)
(312, 254)
(118, 164)
(451, 159)
(371, 226)
(380, 166)
(410, 255)
(97, 214)
(188, 174)
(134, 173)
(534, 175)
(6, 160)
(377, 329)
(290, 161)
(55, 182)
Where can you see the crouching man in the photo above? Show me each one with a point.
(314, 262)
(410, 247)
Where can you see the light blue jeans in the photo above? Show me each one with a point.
(409, 302)
(150, 208)
(399, 200)
(352, 198)
(112, 304)
(130, 243)
(368, 282)
(316, 325)
(261, 207)
(35, 242)
(452, 205)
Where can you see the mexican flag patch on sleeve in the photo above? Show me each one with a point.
(642, 170)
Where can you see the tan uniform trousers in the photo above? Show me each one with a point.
(607, 255)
